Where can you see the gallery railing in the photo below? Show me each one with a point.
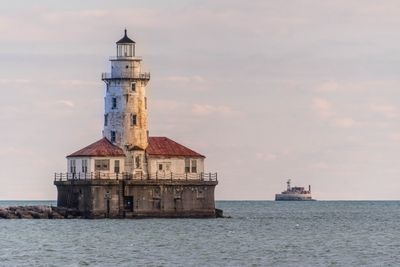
(139, 176)
(126, 75)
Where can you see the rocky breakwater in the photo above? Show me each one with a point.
(38, 212)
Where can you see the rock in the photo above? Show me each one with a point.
(3, 214)
(23, 214)
(55, 215)
(219, 213)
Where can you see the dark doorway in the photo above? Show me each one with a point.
(128, 203)
(108, 208)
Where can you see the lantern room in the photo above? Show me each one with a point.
(125, 47)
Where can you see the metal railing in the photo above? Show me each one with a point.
(138, 176)
(126, 75)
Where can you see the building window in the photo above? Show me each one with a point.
(137, 162)
(133, 119)
(116, 166)
(133, 87)
(113, 136)
(187, 165)
(194, 165)
(114, 103)
(105, 119)
(160, 167)
(84, 166)
(102, 165)
(145, 102)
(73, 166)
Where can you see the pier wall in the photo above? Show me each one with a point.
(110, 198)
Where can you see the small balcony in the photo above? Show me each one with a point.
(126, 75)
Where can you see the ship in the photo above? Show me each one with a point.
(294, 194)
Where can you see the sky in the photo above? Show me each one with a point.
(267, 90)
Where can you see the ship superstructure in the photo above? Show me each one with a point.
(294, 193)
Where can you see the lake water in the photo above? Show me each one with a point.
(260, 233)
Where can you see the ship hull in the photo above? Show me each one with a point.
(293, 197)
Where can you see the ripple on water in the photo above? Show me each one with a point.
(260, 233)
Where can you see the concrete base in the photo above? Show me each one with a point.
(138, 198)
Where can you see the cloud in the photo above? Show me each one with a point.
(394, 137)
(66, 103)
(344, 122)
(166, 105)
(323, 107)
(326, 111)
(266, 156)
(186, 79)
(388, 111)
(208, 110)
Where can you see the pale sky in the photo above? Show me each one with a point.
(267, 90)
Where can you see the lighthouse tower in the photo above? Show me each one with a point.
(125, 112)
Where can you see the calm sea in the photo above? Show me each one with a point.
(260, 233)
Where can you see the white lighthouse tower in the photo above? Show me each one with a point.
(125, 112)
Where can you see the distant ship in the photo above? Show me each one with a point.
(294, 194)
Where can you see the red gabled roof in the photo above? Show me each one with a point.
(101, 148)
(163, 146)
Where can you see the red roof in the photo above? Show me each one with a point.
(163, 146)
(101, 148)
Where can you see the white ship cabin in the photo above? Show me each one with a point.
(102, 159)
(167, 158)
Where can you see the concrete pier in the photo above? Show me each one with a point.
(110, 198)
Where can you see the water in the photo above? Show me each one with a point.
(261, 233)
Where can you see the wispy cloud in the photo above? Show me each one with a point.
(66, 103)
(387, 110)
(208, 110)
(323, 107)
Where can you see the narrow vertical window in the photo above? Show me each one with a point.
(133, 119)
(114, 103)
(133, 87)
(145, 102)
(137, 162)
(113, 136)
(84, 166)
(187, 165)
(116, 166)
(73, 166)
(105, 119)
(194, 165)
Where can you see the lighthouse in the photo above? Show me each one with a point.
(125, 105)
(127, 173)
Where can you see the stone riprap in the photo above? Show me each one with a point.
(38, 212)
(50, 212)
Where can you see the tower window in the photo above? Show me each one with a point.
(114, 103)
(137, 162)
(105, 119)
(113, 136)
(145, 102)
(133, 119)
(133, 87)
